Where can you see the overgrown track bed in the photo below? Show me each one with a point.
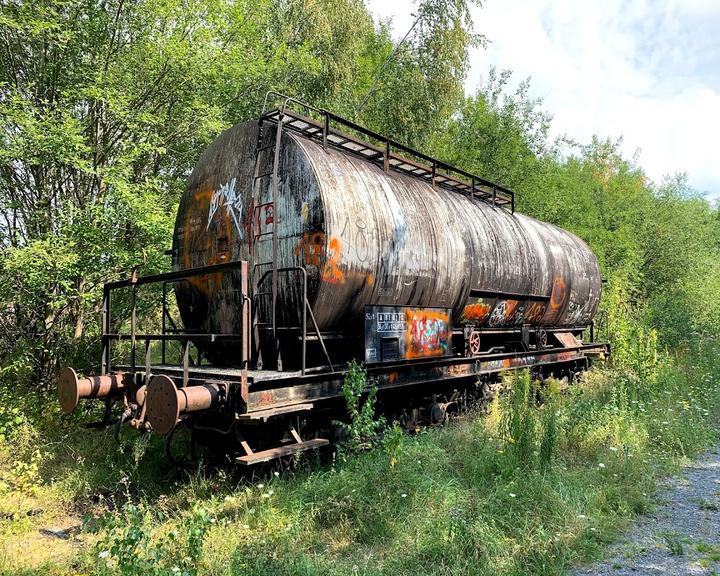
(682, 537)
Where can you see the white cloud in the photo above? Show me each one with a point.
(644, 70)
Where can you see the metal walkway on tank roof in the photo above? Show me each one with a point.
(383, 152)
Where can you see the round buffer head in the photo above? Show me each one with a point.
(162, 406)
(68, 392)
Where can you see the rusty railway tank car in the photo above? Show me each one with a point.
(304, 241)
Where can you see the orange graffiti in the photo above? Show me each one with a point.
(312, 245)
(534, 312)
(476, 312)
(559, 294)
(510, 307)
(266, 398)
(458, 370)
(427, 333)
(199, 242)
(332, 274)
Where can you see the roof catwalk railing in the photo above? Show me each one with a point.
(322, 126)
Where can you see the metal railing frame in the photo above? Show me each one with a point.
(495, 194)
(185, 338)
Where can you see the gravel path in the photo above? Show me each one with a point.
(681, 537)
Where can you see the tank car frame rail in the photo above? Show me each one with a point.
(239, 401)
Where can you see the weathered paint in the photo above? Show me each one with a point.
(398, 332)
(369, 237)
(330, 386)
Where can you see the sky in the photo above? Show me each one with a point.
(644, 70)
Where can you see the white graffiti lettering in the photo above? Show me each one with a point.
(498, 314)
(228, 196)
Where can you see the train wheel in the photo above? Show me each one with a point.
(474, 343)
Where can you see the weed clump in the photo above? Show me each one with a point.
(529, 421)
(130, 544)
(363, 427)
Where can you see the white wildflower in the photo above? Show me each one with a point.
(613, 448)
(104, 554)
(403, 495)
(601, 465)
(512, 495)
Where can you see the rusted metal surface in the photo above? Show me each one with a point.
(265, 395)
(367, 237)
(165, 402)
(269, 391)
(265, 415)
(71, 388)
(294, 223)
(273, 453)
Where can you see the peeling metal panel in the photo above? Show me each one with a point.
(369, 237)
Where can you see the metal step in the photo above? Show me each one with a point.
(272, 453)
(265, 414)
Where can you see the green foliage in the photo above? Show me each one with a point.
(674, 542)
(360, 397)
(393, 442)
(549, 423)
(128, 544)
(519, 424)
(529, 421)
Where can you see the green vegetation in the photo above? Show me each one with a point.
(363, 425)
(104, 109)
(515, 491)
(674, 542)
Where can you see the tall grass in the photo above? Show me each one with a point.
(543, 481)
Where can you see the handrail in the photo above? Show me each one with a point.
(306, 309)
(185, 337)
(286, 100)
(490, 192)
(176, 275)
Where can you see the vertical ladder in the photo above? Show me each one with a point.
(261, 324)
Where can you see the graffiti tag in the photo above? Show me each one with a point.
(228, 197)
(428, 333)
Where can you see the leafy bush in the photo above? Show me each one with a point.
(130, 545)
(363, 426)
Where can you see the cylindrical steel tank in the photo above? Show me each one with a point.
(366, 236)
